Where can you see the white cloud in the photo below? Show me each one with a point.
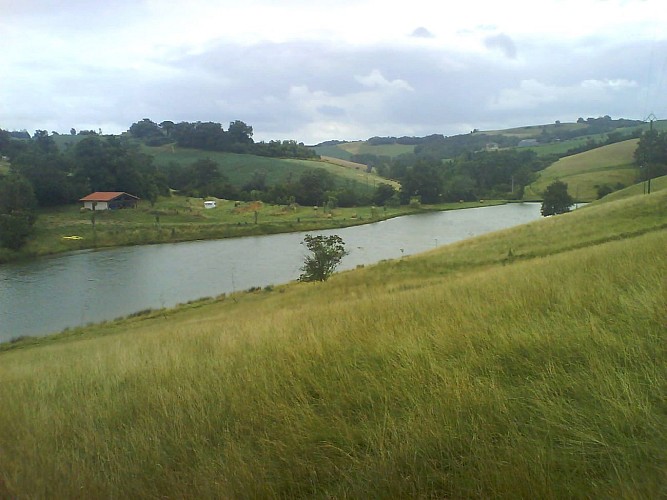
(376, 79)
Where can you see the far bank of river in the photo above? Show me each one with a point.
(49, 294)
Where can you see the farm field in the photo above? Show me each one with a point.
(612, 164)
(525, 363)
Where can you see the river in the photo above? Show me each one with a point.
(50, 294)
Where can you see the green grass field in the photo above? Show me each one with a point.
(582, 172)
(345, 150)
(469, 371)
(4, 167)
(391, 150)
(178, 218)
(240, 168)
(533, 131)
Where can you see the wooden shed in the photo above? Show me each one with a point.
(109, 200)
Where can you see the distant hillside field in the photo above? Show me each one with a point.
(361, 171)
(391, 150)
(345, 150)
(533, 131)
(239, 168)
(582, 172)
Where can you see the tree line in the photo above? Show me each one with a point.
(43, 175)
(470, 176)
(211, 136)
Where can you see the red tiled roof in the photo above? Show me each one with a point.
(105, 196)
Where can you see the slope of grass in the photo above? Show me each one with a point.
(362, 147)
(239, 168)
(333, 151)
(466, 372)
(534, 131)
(611, 164)
(641, 188)
(361, 171)
(344, 151)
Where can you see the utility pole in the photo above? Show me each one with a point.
(647, 184)
(649, 155)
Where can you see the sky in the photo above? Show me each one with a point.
(311, 71)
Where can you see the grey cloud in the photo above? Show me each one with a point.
(334, 111)
(285, 89)
(503, 43)
(422, 32)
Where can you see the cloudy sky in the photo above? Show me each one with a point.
(315, 70)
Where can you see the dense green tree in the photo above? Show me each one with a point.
(111, 164)
(326, 252)
(651, 155)
(145, 129)
(383, 193)
(424, 180)
(556, 199)
(47, 168)
(17, 211)
(312, 186)
(167, 127)
(240, 133)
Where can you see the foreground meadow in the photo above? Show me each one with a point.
(530, 363)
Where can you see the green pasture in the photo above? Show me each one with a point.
(533, 131)
(528, 363)
(391, 150)
(333, 151)
(345, 150)
(582, 172)
(178, 218)
(4, 167)
(239, 168)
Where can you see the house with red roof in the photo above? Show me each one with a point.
(109, 200)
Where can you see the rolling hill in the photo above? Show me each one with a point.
(239, 168)
(612, 165)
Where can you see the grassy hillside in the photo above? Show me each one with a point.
(361, 172)
(4, 166)
(582, 172)
(470, 371)
(239, 168)
(657, 184)
(533, 131)
(345, 150)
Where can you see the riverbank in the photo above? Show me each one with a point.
(526, 363)
(177, 218)
(101, 285)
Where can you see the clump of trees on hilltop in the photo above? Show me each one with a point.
(211, 136)
(43, 175)
(95, 163)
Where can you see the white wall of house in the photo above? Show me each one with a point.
(100, 205)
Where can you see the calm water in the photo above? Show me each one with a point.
(50, 294)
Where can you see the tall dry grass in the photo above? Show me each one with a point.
(461, 373)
